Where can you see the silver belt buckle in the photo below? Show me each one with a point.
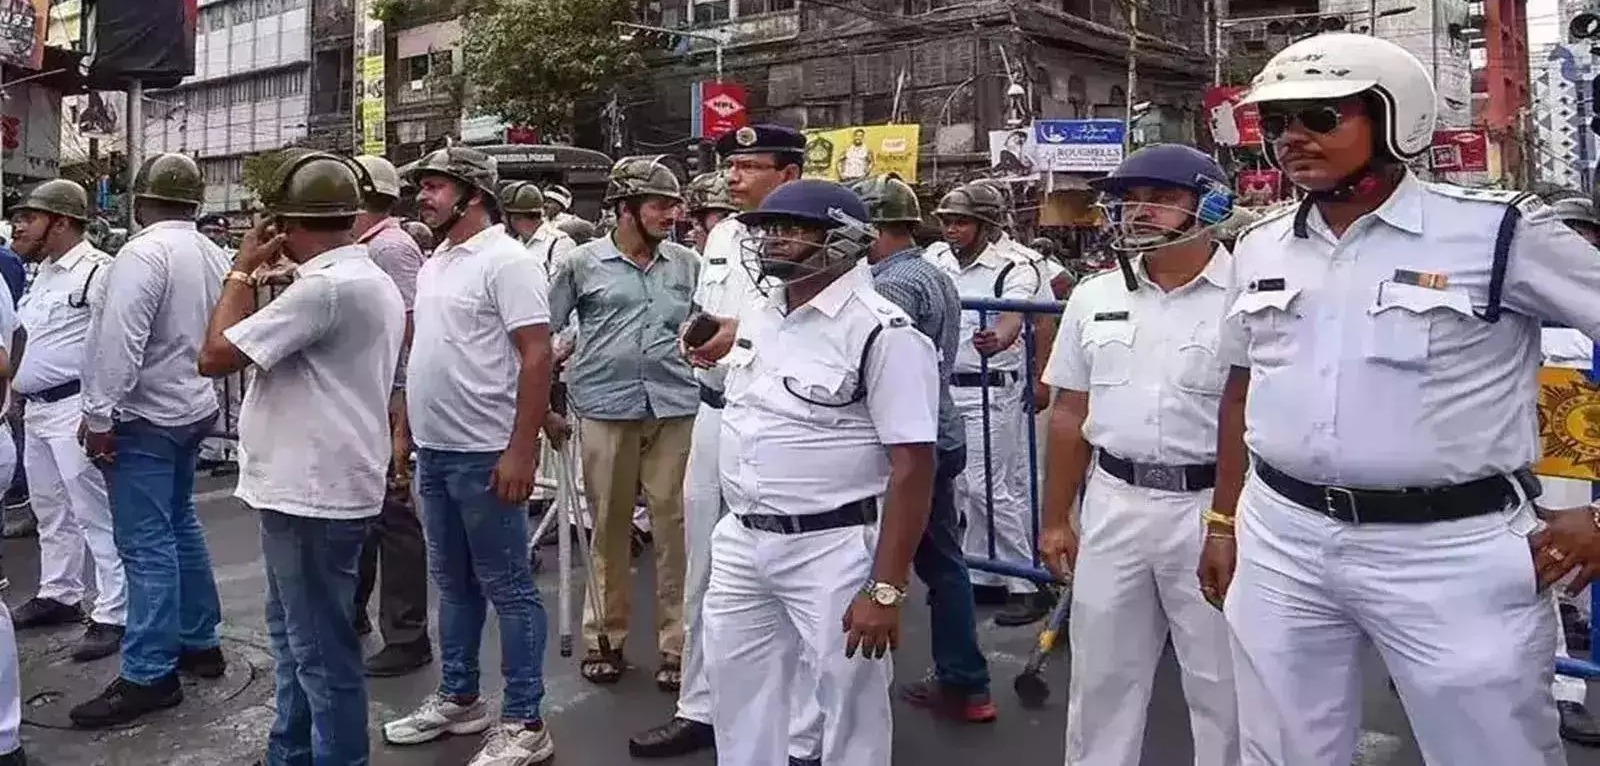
(1163, 477)
(1333, 497)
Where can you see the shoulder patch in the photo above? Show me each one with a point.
(1533, 208)
(887, 312)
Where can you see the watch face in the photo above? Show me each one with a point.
(884, 594)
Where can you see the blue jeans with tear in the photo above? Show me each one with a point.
(478, 555)
(312, 573)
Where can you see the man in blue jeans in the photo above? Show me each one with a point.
(325, 350)
(145, 410)
(478, 392)
(959, 685)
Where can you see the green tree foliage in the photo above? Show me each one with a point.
(533, 61)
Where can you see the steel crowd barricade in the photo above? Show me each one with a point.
(1032, 569)
(231, 388)
(1588, 669)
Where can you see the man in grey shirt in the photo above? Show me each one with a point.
(635, 397)
(395, 539)
(959, 687)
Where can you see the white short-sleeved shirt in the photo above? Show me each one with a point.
(56, 311)
(314, 427)
(462, 377)
(8, 327)
(1369, 365)
(1148, 360)
(779, 453)
(998, 267)
(725, 287)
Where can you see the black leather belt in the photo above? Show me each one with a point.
(1412, 505)
(993, 378)
(54, 393)
(850, 515)
(711, 397)
(1172, 478)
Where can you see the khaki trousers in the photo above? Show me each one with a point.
(621, 458)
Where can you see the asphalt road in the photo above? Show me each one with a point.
(226, 722)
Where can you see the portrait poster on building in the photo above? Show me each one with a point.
(1012, 155)
(854, 153)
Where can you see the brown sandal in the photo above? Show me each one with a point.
(599, 667)
(669, 676)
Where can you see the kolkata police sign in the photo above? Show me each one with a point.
(1569, 424)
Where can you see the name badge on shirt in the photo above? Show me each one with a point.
(717, 261)
(1111, 316)
(1272, 285)
(1428, 279)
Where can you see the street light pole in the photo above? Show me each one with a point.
(1133, 72)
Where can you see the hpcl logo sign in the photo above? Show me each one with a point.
(722, 108)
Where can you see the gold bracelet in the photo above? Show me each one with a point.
(240, 277)
(1213, 517)
(1213, 535)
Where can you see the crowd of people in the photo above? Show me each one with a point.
(1273, 453)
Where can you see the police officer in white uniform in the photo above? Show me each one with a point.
(1139, 382)
(524, 207)
(760, 158)
(832, 402)
(990, 397)
(69, 492)
(1383, 382)
(1565, 347)
(11, 753)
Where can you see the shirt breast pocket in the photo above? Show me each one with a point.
(1109, 349)
(1268, 318)
(820, 389)
(1401, 323)
(464, 318)
(1200, 370)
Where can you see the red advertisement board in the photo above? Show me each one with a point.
(1259, 188)
(1460, 151)
(722, 109)
(1231, 124)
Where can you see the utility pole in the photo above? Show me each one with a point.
(135, 153)
(1372, 17)
(1133, 72)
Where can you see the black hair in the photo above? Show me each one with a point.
(378, 204)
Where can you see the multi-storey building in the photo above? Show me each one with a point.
(249, 93)
(1562, 146)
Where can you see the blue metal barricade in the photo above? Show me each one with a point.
(1587, 669)
(986, 307)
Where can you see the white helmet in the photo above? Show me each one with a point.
(385, 179)
(1338, 65)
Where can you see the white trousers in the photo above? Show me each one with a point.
(1452, 607)
(1008, 456)
(773, 599)
(10, 676)
(1134, 583)
(69, 498)
(702, 509)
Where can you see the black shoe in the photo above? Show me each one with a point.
(989, 595)
(793, 761)
(1025, 609)
(204, 663)
(17, 520)
(100, 640)
(400, 659)
(679, 736)
(124, 700)
(43, 612)
(14, 758)
(363, 623)
(1577, 726)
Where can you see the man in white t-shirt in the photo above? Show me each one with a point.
(325, 352)
(478, 392)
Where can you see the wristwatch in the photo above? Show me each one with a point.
(242, 278)
(885, 594)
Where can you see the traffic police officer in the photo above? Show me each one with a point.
(1390, 417)
(973, 216)
(524, 204)
(760, 158)
(1565, 347)
(708, 203)
(832, 401)
(69, 493)
(1139, 382)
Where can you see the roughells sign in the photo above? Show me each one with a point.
(1569, 424)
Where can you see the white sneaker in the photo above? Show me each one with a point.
(437, 717)
(513, 744)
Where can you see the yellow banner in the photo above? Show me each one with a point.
(850, 154)
(1569, 424)
(372, 106)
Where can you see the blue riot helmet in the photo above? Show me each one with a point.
(805, 229)
(1163, 168)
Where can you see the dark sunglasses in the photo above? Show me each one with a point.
(1322, 119)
